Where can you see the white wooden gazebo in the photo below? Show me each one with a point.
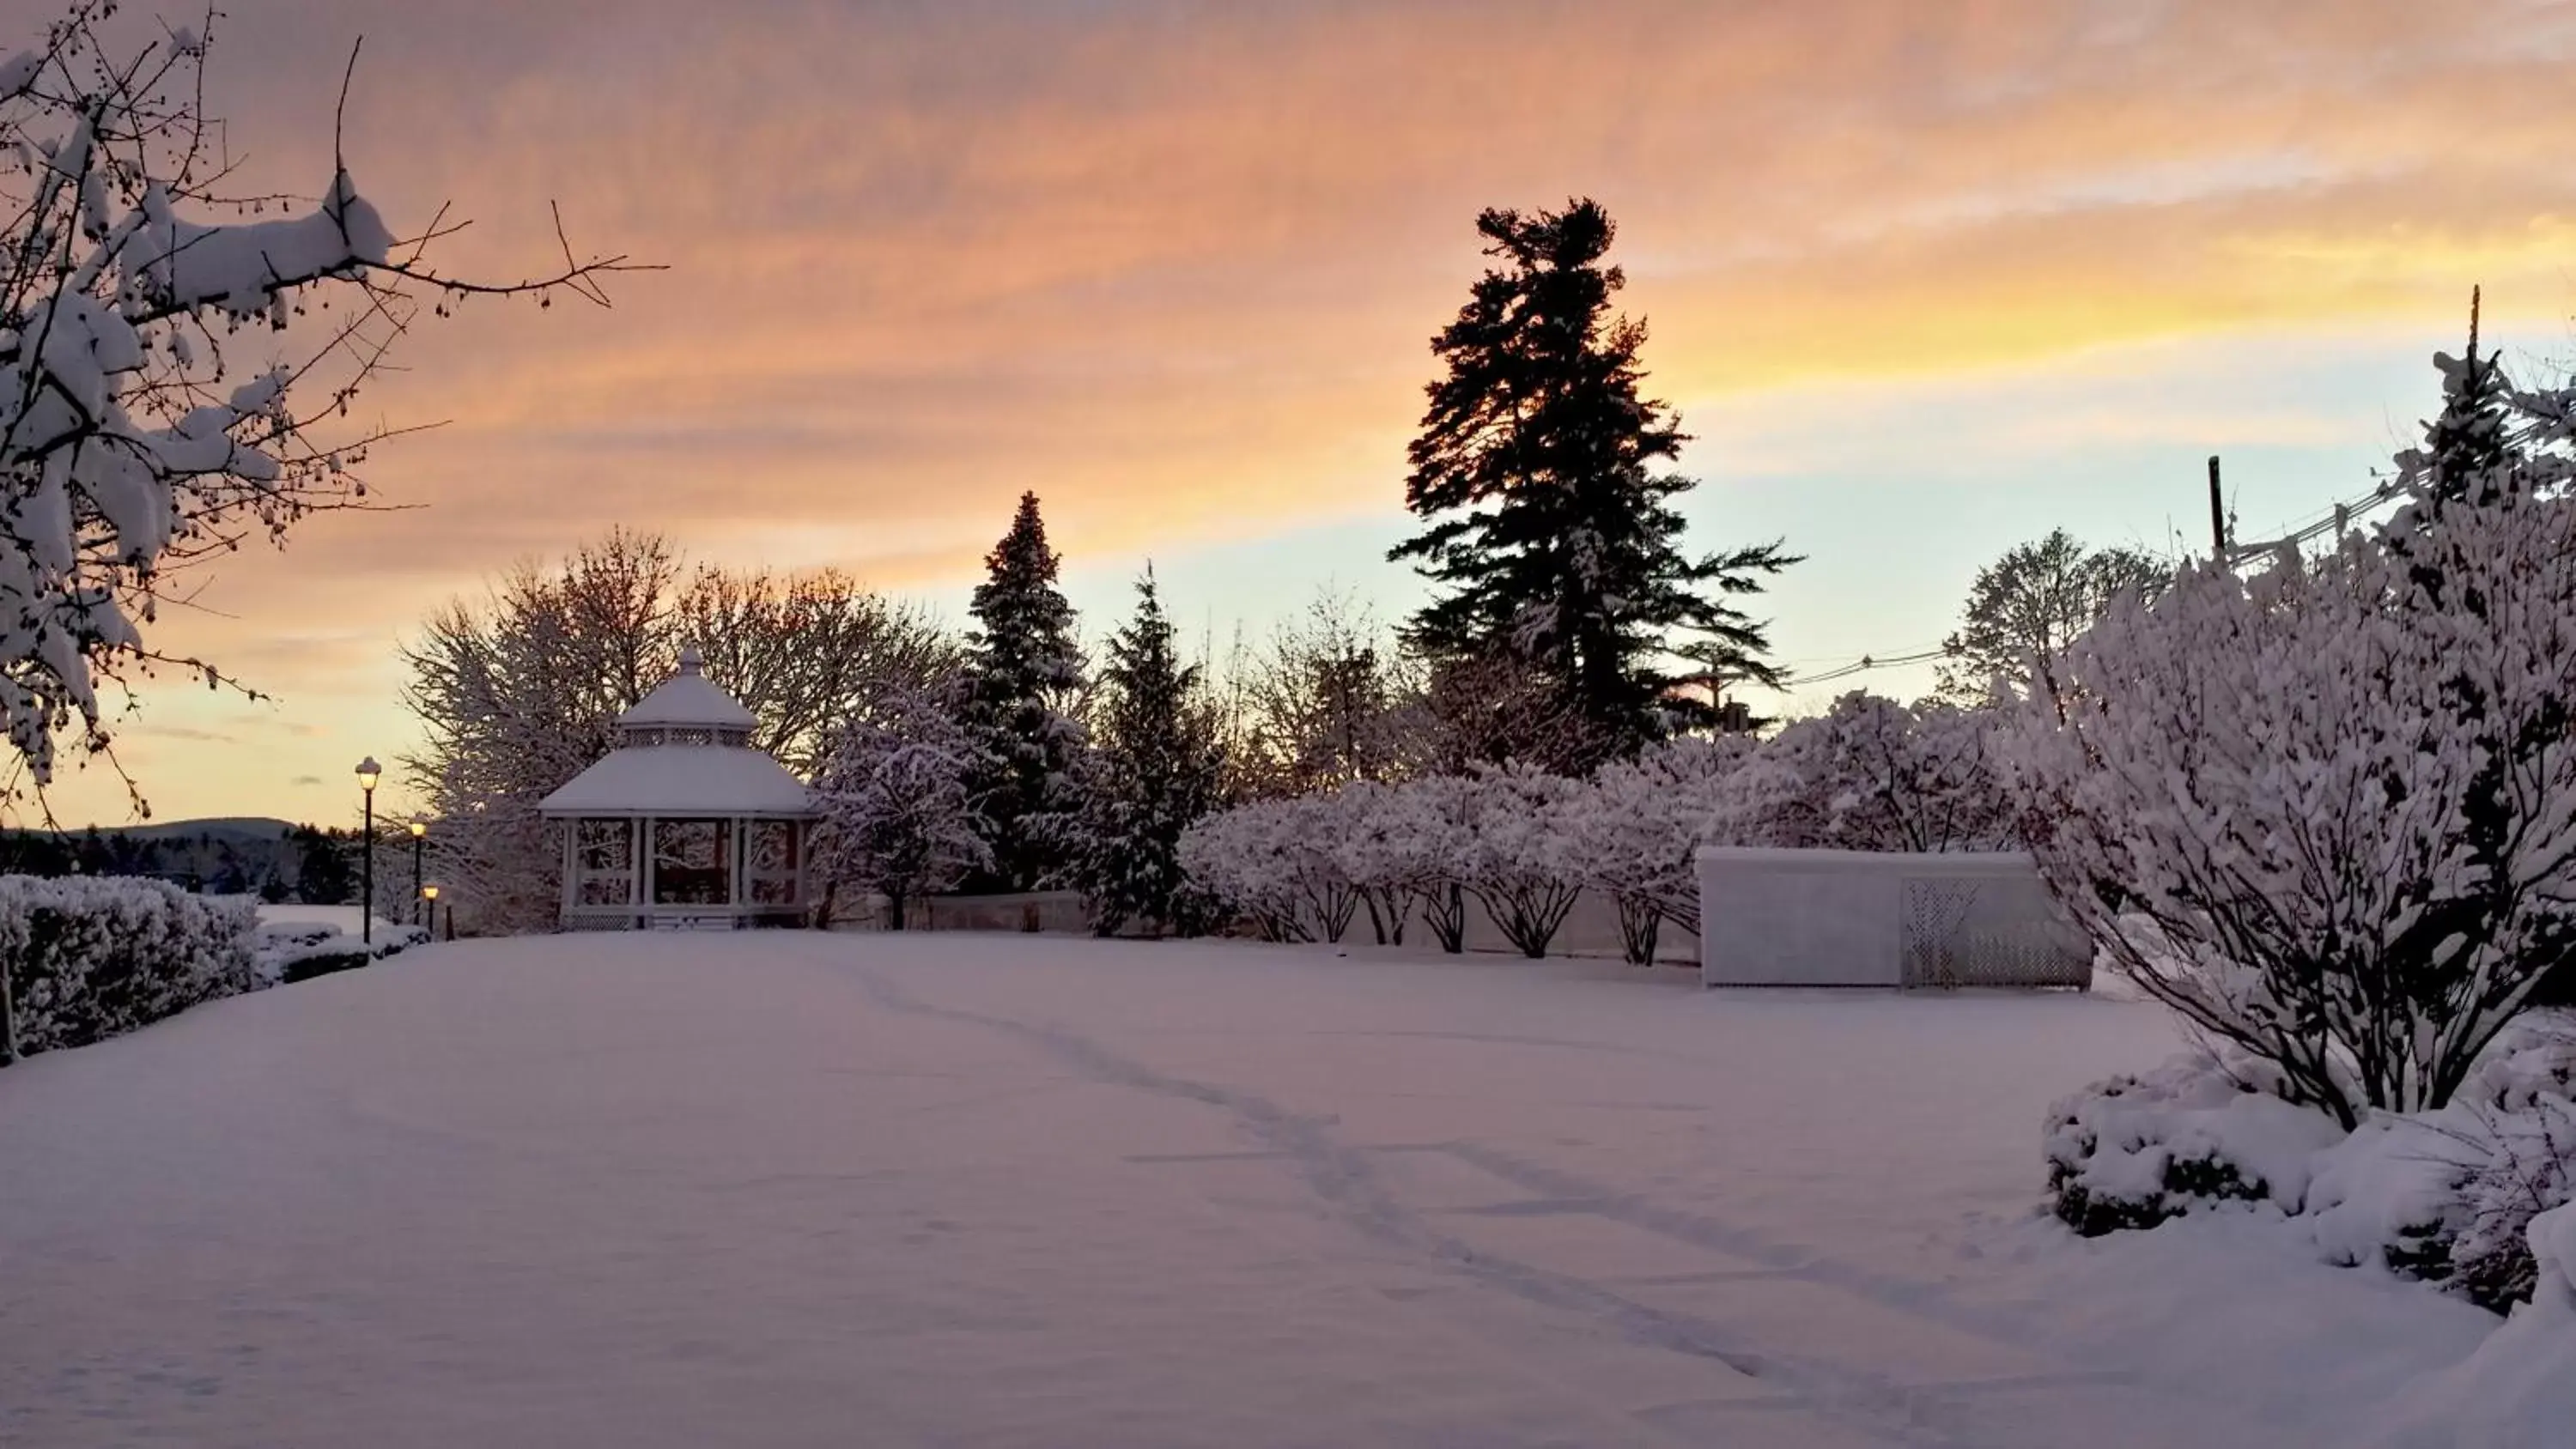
(684, 824)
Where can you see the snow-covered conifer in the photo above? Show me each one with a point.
(1547, 523)
(1154, 772)
(1024, 669)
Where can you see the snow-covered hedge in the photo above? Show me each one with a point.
(290, 951)
(88, 958)
(1870, 774)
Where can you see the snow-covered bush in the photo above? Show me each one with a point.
(896, 815)
(1873, 774)
(1405, 851)
(2447, 1194)
(2136, 1150)
(1285, 865)
(87, 958)
(1315, 825)
(2327, 813)
(1514, 859)
(143, 422)
(1243, 859)
(1633, 832)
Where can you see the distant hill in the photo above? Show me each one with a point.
(226, 827)
(228, 853)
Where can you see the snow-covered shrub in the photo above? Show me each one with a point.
(2327, 813)
(1242, 859)
(2447, 1194)
(2136, 1150)
(1873, 774)
(87, 958)
(1633, 831)
(1406, 850)
(1514, 859)
(159, 398)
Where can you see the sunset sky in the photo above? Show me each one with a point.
(1923, 279)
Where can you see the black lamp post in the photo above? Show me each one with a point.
(419, 829)
(429, 898)
(368, 773)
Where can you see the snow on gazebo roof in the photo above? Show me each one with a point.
(658, 773)
(689, 698)
(683, 780)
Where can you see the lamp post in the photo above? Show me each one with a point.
(368, 772)
(429, 897)
(419, 828)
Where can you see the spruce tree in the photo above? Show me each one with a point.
(1023, 671)
(1549, 526)
(2468, 450)
(1157, 769)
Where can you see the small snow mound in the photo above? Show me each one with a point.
(2518, 1390)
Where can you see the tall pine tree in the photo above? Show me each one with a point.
(1023, 672)
(1549, 526)
(1156, 770)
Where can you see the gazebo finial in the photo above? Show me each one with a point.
(692, 662)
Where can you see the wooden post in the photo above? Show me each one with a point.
(2217, 515)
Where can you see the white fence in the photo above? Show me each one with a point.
(1852, 918)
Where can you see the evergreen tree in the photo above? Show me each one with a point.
(2468, 450)
(1548, 524)
(1023, 669)
(1157, 769)
(322, 873)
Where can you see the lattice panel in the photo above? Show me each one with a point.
(1990, 932)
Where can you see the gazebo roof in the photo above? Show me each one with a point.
(683, 780)
(718, 773)
(689, 698)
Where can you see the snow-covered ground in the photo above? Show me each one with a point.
(787, 1189)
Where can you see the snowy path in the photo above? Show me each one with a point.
(796, 1190)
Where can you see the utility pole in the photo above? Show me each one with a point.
(2217, 515)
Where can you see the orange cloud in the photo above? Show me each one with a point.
(1174, 266)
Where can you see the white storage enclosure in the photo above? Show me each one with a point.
(1862, 918)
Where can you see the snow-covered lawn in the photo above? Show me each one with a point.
(787, 1189)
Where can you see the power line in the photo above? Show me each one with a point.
(2334, 519)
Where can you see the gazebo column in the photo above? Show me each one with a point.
(643, 871)
(571, 870)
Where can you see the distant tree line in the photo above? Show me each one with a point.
(304, 863)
